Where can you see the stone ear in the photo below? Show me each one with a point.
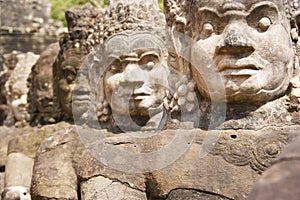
(177, 34)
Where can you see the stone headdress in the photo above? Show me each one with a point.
(127, 15)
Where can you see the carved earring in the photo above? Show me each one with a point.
(102, 110)
(185, 95)
(184, 98)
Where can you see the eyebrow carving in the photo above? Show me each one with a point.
(230, 5)
(261, 4)
(208, 10)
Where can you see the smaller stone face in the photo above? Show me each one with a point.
(67, 73)
(10, 61)
(128, 77)
(135, 81)
(17, 88)
(74, 48)
(41, 86)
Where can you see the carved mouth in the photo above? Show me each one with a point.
(46, 106)
(242, 67)
(142, 93)
(22, 110)
(136, 94)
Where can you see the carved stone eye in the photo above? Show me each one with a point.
(45, 86)
(116, 68)
(208, 29)
(147, 62)
(150, 65)
(70, 78)
(264, 23)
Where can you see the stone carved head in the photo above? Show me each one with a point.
(135, 79)
(249, 44)
(41, 106)
(65, 81)
(127, 74)
(17, 88)
(74, 47)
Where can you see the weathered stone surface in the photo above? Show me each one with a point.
(20, 146)
(209, 52)
(26, 26)
(2, 175)
(281, 180)
(16, 176)
(65, 147)
(6, 135)
(242, 155)
(231, 181)
(103, 188)
(79, 163)
(57, 178)
(226, 171)
(128, 15)
(222, 49)
(22, 13)
(187, 194)
(29, 142)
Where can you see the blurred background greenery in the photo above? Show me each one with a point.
(59, 7)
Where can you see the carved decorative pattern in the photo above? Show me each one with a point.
(258, 151)
(123, 17)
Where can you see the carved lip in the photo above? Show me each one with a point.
(46, 107)
(22, 110)
(142, 93)
(241, 67)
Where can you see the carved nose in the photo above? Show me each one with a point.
(133, 76)
(235, 42)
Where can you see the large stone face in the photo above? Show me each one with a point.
(238, 68)
(233, 60)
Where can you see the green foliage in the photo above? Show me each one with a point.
(161, 4)
(59, 7)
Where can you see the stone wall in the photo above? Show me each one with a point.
(25, 25)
